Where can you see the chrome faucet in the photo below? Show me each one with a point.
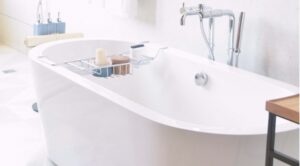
(207, 12)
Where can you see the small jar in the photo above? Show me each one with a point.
(120, 69)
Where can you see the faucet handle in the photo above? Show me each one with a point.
(201, 7)
(182, 9)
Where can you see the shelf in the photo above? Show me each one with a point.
(287, 107)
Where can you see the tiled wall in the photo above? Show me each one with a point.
(269, 46)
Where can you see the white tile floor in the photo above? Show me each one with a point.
(21, 137)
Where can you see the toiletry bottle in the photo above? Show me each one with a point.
(51, 25)
(60, 26)
(40, 28)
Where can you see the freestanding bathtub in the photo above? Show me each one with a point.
(157, 116)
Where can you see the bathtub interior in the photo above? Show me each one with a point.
(232, 99)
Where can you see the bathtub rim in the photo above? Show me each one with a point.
(150, 114)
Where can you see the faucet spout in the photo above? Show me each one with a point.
(182, 20)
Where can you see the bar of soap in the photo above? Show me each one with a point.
(119, 60)
(101, 58)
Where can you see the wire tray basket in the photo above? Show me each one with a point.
(88, 65)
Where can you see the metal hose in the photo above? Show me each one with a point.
(211, 54)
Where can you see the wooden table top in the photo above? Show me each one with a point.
(287, 107)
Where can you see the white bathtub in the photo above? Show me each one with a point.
(157, 116)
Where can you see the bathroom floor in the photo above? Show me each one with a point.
(21, 137)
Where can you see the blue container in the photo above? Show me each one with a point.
(60, 27)
(51, 28)
(103, 72)
(40, 29)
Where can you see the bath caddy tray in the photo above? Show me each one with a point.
(115, 70)
(88, 65)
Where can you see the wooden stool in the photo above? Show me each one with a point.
(287, 108)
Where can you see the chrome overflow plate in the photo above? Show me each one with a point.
(201, 79)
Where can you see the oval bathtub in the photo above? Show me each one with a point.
(157, 116)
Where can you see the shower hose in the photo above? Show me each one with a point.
(211, 54)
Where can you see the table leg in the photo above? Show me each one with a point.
(270, 139)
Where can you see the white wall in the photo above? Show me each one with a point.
(269, 46)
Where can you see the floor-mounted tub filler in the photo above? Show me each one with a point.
(157, 115)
